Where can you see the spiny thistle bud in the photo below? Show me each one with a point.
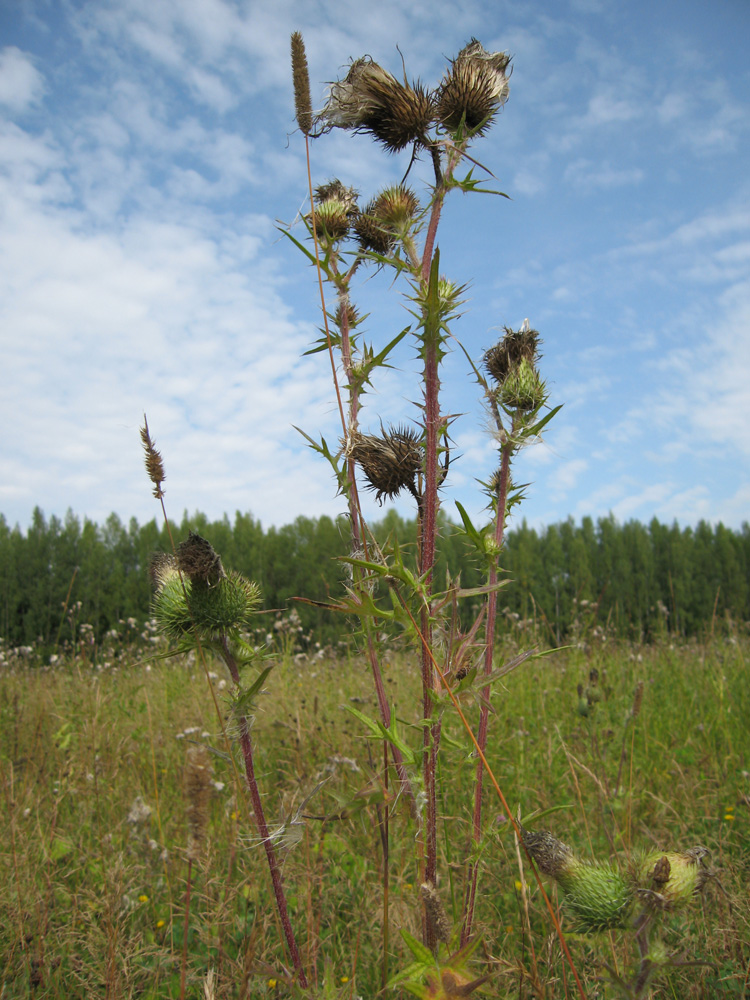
(301, 80)
(516, 346)
(390, 462)
(348, 314)
(335, 190)
(523, 389)
(598, 895)
(197, 784)
(332, 219)
(666, 880)
(474, 89)
(370, 99)
(436, 914)
(210, 603)
(386, 217)
(154, 463)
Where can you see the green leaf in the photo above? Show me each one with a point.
(421, 952)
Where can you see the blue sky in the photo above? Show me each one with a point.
(147, 150)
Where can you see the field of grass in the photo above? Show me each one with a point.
(93, 829)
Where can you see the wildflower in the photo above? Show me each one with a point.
(143, 898)
(160, 924)
(369, 99)
(272, 983)
(474, 89)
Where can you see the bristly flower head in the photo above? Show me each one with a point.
(598, 895)
(515, 347)
(390, 462)
(474, 89)
(669, 880)
(385, 218)
(371, 100)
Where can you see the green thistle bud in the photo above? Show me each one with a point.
(667, 880)
(335, 190)
(523, 389)
(598, 895)
(385, 218)
(193, 593)
(332, 219)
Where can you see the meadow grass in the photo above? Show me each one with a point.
(94, 831)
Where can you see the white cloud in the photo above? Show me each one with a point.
(21, 84)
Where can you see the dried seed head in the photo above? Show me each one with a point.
(371, 100)
(372, 232)
(551, 856)
(154, 464)
(336, 191)
(197, 784)
(390, 462)
(301, 80)
(199, 562)
(507, 354)
(435, 911)
(474, 89)
(396, 207)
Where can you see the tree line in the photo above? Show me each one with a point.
(640, 581)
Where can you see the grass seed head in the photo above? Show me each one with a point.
(301, 80)
(154, 463)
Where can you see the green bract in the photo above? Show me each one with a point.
(227, 606)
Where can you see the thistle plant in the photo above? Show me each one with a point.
(396, 230)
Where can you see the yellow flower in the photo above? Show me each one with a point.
(344, 979)
(160, 924)
(272, 983)
(518, 885)
(143, 899)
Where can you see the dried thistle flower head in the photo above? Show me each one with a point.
(301, 80)
(386, 217)
(199, 561)
(390, 462)
(154, 463)
(197, 784)
(516, 346)
(371, 100)
(335, 190)
(474, 89)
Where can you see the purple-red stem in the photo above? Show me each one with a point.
(260, 821)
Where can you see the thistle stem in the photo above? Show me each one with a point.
(260, 821)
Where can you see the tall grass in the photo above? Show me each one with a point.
(93, 879)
